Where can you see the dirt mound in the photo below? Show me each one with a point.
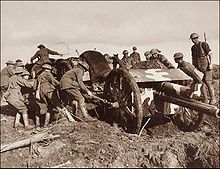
(98, 144)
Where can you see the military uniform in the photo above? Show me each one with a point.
(72, 88)
(48, 95)
(15, 97)
(190, 71)
(72, 83)
(200, 52)
(135, 58)
(43, 57)
(126, 60)
(162, 59)
(6, 73)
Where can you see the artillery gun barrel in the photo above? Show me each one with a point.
(191, 104)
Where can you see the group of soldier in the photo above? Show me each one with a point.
(201, 61)
(43, 84)
(17, 84)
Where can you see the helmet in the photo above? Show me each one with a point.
(84, 65)
(47, 66)
(39, 46)
(134, 48)
(178, 55)
(154, 51)
(19, 64)
(19, 70)
(25, 73)
(194, 35)
(125, 52)
(146, 53)
(18, 60)
(10, 62)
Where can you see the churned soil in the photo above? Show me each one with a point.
(99, 144)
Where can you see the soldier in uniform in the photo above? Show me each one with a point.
(15, 98)
(155, 55)
(189, 70)
(202, 60)
(6, 73)
(18, 61)
(147, 55)
(47, 96)
(126, 60)
(43, 56)
(135, 56)
(73, 89)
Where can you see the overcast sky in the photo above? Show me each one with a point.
(108, 26)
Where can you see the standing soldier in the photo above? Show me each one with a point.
(126, 60)
(155, 55)
(15, 98)
(135, 56)
(72, 88)
(6, 73)
(43, 57)
(48, 99)
(202, 60)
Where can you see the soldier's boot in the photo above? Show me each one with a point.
(37, 121)
(211, 93)
(25, 119)
(47, 119)
(204, 94)
(85, 114)
(17, 120)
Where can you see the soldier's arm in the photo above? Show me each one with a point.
(79, 78)
(11, 71)
(190, 71)
(25, 83)
(166, 62)
(34, 57)
(52, 80)
(53, 52)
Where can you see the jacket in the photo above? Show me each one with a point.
(47, 83)
(6, 73)
(16, 82)
(43, 55)
(73, 79)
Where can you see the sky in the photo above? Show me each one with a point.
(108, 26)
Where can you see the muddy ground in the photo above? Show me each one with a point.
(99, 144)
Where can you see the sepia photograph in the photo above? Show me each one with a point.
(110, 84)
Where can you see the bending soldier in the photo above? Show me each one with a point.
(189, 69)
(6, 73)
(160, 58)
(47, 96)
(72, 88)
(15, 97)
(43, 57)
(202, 60)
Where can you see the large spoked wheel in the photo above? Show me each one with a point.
(121, 87)
(187, 119)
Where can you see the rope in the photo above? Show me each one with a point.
(63, 44)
